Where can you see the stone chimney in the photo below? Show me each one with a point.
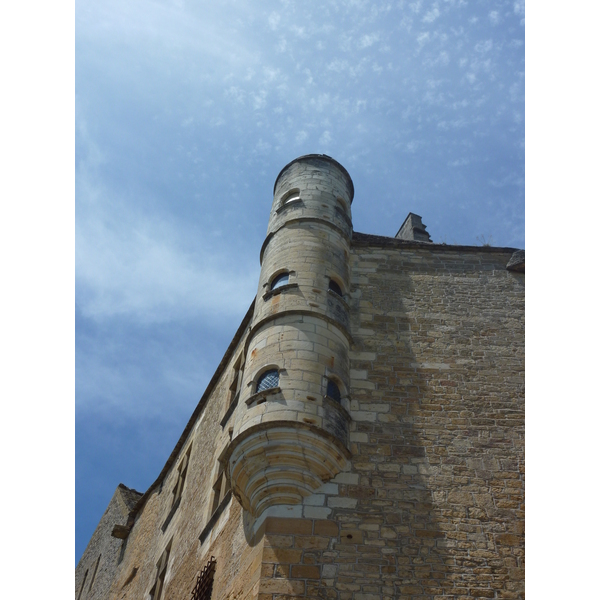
(413, 229)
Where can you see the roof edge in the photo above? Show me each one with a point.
(199, 408)
(321, 156)
(366, 239)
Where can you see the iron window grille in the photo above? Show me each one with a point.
(267, 380)
(204, 583)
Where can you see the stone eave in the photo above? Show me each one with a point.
(366, 240)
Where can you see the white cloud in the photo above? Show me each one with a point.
(423, 38)
(301, 137)
(519, 8)
(494, 17)
(368, 40)
(134, 265)
(274, 19)
(325, 138)
(415, 6)
(484, 47)
(461, 162)
(431, 15)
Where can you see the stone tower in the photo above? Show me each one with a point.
(290, 433)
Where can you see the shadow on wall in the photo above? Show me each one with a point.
(438, 450)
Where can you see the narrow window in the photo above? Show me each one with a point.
(334, 287)
(290, 196)
(333, 391)
(280, 280)
(182, 472)
(156, 592)
(268, 380)
(220, 489)
(236, 381)
(204, 583)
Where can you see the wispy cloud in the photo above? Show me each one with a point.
(431, 15)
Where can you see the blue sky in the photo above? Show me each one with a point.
(184, 115)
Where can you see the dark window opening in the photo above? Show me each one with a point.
(334, 287)
(268, 380)
(204, 583)
(220, 489)
(333, 391)
(178, 489)
(236, 382)
(280, 280)
(156, 592)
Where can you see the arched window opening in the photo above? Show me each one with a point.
(291, 196)
(282, 279)
(334, 287)
(333, 391)
(268, 380)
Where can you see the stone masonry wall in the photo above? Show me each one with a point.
(432, 506)
(98, 564)
(238, 555)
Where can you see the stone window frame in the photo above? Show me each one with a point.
(338, 392)
(331, 375)
(291, 284)
(220, 487)
(275, 282)
(337, 282)
(235, 386)
(177, 491)
(258, 397)
(220, 495)
(289, 198)
(162, 566)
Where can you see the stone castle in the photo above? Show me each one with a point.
(362, 437)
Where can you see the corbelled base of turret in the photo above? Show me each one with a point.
(281, 464)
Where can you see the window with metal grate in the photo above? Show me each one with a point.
(268, 380)
(204, 583)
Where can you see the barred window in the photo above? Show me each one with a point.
(204, 583)
(333, 391)
(268, 380)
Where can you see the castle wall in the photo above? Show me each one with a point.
(433, 503)
(238, 557)
(408, 485)
(98, 564)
